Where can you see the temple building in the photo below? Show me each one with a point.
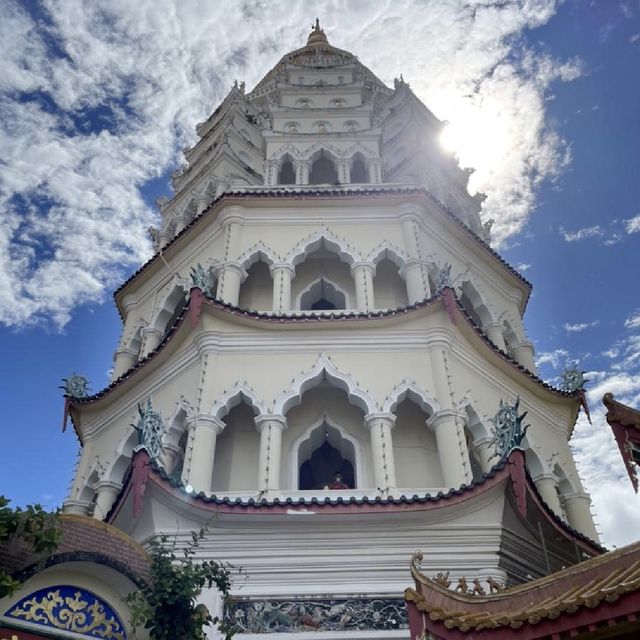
(325, 363)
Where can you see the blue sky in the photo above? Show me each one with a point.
(97, 99)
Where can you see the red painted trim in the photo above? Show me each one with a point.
(196, 298)
(622, 436)
(518, 475)
(450, 304)
(139, 478)
(585, 405)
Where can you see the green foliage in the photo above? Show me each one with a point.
(165, 605)
(35, 526)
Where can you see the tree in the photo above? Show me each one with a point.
(166, 604)
(33, 525)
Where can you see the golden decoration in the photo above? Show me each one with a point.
(70, 614)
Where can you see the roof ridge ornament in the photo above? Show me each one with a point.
(150, 428)
(317, 35)
(509, 429)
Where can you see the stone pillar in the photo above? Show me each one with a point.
(523, 354)
(151, 339)
(123, 360)
(452, 447)
(362, 273)
(282, 275)
(375, 170)
(77, 507)
(344, 170)
(576, 506)
(171, 453)
(302, 169)
(415, 274)
(231, 276)
(222, 186)
(106, 494)
(495, 334)
(486, 453)
(270, 428)
(206, 429)
(546, 485)
(384, 468)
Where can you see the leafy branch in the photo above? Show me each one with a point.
(166, 604)
(36, 527)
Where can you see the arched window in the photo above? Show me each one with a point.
(327, 460)
(323, 170)
(287, 174)
(322, 295)
(256, 292)
(359, 171)
(474, 305)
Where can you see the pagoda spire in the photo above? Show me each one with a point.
(317, 35)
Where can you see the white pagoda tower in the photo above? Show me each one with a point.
(316, 358)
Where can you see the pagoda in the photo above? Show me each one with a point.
(324, 362)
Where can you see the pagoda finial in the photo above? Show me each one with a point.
(317, 35)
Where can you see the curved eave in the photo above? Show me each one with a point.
(307, 193)
(342, 318)
(510, 473)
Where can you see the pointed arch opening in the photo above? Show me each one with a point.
(171, 308)
(476, 435)
(359, 173)
(322, 295)
(510, 337)
(415, 450)
(323, 168)
(326, 460)
(286, 172)
(389, 289)
(235, 462)
(474, 305)
(256, 292)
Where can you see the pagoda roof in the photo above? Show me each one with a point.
(625, 424)
(593, 596)
(313, 192)
(197, 300)
(509, 474)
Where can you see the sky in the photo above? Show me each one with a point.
(97, 99)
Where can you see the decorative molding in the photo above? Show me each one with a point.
(409, 388)
(324, 368)
(240, 392)
(312, 242)
(255, 253)
(288, 616)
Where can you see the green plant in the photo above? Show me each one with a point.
(166, 604)
(35, 526)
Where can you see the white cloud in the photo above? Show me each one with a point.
(555, 358)
(633, 321)
(72, 219)
(581, 234)
(632, 225)
(634, 38)
(523, 266)
(579, 326)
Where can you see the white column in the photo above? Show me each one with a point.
(151, 339)
(206, 429)
(576, 506)
(546, 485)
(362, 273)
(415, 274)
(106, 494)
(375, 170)
(123, 361)
(344, 171)
(384, 469)
(231, 276)
(270, 428)
(453, 454)
(302, 169)
(171, 452)
(523, 354)
(495, 334)
(202, 202)
(282, 275)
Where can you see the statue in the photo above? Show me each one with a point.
(572, 379)
(442, 579)
(494, 585)
(509, 429)
(150, 430)
(201, 280)
(154, 234)
(338, 482)
(75, 386)
(463, 587)
(478, 590)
